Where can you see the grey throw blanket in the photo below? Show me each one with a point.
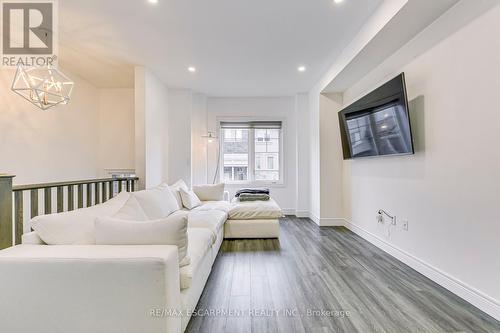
(252, 191)
(253, 197)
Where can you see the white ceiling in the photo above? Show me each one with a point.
(239, 47)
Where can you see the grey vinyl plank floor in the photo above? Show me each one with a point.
(282, 286)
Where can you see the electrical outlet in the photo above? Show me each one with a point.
(404, 223)
(380, 218)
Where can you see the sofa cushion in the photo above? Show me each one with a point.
(252, 229)
(212, 220)
(176, 190)
(88, 288)
(131, 210)
(254, 210)
(210, 192)
(189, 199)
(32, 238)
(167, 231)
(199, 249)
(75, 227)
(157, 202)
(223, 206)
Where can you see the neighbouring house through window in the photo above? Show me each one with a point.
(251, 151)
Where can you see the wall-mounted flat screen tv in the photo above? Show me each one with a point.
(378, 124)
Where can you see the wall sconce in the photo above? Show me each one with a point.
(211, 137)
(44, 87)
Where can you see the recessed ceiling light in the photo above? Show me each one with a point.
(153, 1)
(301, 68)
(191, 69)
(338, 1)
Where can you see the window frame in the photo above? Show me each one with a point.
(251, 153)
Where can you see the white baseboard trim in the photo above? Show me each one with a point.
(477, 298)
(327, 221)
(314, 218)
(288, 211)
(302, 213)
(305, 213)
(331, 222)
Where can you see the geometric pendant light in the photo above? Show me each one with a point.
(45, 87)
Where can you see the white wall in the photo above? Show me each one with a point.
(374, 24)
(325, 171)
(314, 162)
(54, 145)
(116, 130)
(151, 128)
(448, 191)
(194, 158)
(199, 157)
(303, 156)
(180, 105)
(330, 165)
(280, 108)
(140, 124)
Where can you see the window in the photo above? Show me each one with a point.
(233, 135)
(251, 151)
(235, 149)
(270, 162)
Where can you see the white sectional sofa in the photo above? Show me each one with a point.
(75, 285)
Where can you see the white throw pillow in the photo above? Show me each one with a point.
(210, 192)
(157, 203)
(176, 187)
(167, 231)
(77, 226)
(189, 199)
(131, 211)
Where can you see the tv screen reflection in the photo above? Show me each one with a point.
(381, 131)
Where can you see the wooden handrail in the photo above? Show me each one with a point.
(69, 183)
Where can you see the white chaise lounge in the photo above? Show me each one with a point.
(253, 219)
